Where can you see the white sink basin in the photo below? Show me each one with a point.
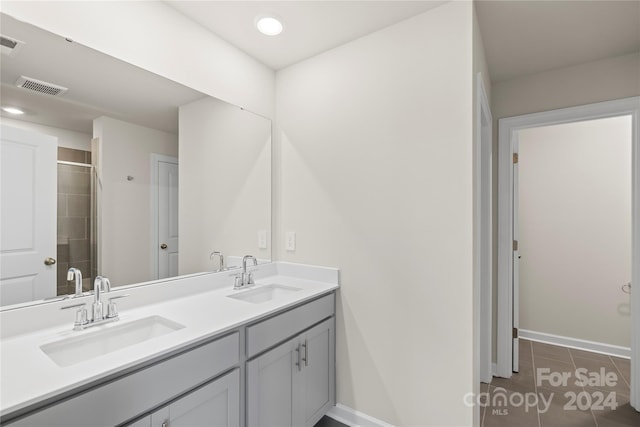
(264, 293)
(73, 350)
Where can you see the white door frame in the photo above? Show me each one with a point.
(483, 232)
(155, 243)
(507, 131)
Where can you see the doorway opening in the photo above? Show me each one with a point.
(573, 224)
(507, 310)
(76, 218)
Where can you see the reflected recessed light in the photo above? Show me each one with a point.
(268, 25)
(12, 110)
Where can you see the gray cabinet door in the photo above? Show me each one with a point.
(271, 381)
(318, 369)
(216, 404)
(292, 385)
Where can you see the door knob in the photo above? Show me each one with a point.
(163, 246)
(49, 261)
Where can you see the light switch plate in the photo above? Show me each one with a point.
(290, 240)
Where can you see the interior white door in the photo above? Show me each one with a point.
(167, 209)
(28, 186)
(516, 258)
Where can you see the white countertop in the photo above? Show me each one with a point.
(29, 376)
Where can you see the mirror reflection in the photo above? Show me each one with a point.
(140, 178)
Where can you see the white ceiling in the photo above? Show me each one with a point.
(520, 37)
(310, 27)
(527, 37)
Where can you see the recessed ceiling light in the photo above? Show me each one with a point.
(12, 110)
(268, 25)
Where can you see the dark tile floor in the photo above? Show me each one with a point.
(551, 398)
(558, 386)
(329, 422)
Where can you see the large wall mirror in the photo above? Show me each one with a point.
(142, 178)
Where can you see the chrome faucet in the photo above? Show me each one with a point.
(98, 317)
(220, 256)
(100, 284)
(74, 273)
(244, 279)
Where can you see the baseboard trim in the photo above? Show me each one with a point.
(595, 347)
(353, 418)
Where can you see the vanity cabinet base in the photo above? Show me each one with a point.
(276, 371)
(216, 404)
(292, 385)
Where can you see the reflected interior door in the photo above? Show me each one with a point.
(28, 193)
(516, 260)
(167, 217)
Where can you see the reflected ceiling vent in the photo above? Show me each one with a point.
(10, 46)
(40, 86)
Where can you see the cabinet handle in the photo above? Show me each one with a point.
(306, 353)
(299, 362)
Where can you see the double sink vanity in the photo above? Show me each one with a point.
(187, 351)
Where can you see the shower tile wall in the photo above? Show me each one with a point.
(74, 213)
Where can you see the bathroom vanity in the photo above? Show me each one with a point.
(189, 351)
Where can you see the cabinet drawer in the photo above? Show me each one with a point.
(124, 398)
(269, 332)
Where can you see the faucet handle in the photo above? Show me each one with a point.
(238, 281)
(112, 309)
(82, 317)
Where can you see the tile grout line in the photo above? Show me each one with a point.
(619, 372)
(484, 408)
(535, 381)
(575, 367)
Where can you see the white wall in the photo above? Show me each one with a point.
(604, 80)
(482, 342)
(225, 183)
(66, 138)
(575, 230)
(125, 236)
(374, 174)
(155, 37)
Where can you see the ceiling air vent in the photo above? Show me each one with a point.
(10, 46)
(40, 86)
